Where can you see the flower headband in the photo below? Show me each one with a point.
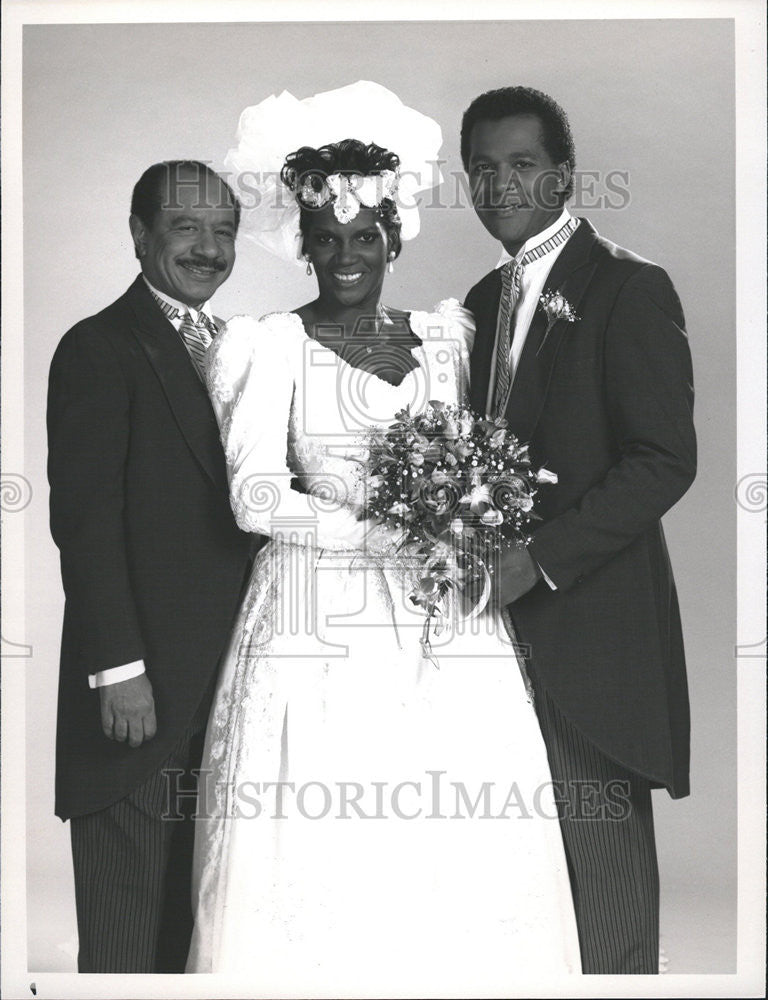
(348, 192)
(269, 131)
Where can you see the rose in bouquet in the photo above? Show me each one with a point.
(457, 488)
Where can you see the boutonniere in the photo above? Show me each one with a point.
(556, 307)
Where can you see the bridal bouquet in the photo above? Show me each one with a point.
(458, 488)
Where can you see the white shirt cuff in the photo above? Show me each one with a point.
(116, 674)
(551, 584)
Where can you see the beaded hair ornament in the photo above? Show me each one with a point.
(348, 192)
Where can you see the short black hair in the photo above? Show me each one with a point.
(161, 178)
(350, 156)
(497, 104)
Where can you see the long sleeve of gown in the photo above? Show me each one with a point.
(252, 370)
(461, 323)
(450, 330)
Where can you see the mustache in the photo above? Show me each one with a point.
(217, 265)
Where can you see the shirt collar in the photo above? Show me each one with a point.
(181, 306)
(536, 240)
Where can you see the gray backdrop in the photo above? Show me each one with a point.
(653, 99)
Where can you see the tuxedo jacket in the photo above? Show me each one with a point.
(151, 559)
(606, 402)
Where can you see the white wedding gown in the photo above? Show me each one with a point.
(414, 852)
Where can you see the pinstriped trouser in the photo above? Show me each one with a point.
(606, 820)
(132, 873)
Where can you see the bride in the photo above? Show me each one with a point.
(372, 823)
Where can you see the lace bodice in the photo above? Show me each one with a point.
(294, 418)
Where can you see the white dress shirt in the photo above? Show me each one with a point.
(532, 283)
(182, 307)
(128, 670)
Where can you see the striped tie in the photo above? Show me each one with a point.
(511, 278)
(197, 336)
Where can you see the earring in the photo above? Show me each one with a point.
(308, 259)
(390, 265)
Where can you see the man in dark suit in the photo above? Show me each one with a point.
(152, 565)
(581, 346)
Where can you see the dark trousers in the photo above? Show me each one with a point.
(607, 825)
(133, 865)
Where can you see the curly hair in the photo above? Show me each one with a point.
(497, 104)
(350, 156)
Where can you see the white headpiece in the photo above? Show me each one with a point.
(268, 131)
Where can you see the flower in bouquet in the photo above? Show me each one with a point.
(458, 487)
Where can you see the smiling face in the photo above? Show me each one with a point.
(189, 248)
(349, 258)
(516, 186)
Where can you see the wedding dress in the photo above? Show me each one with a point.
(371, 823)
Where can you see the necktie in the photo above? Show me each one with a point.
(511, 276)
(197, 336)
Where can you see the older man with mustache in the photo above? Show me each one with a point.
(152, 566)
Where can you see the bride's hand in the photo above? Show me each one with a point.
(382, 539)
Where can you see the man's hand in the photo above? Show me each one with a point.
(128, 711)
(515, 574)
(469, 593)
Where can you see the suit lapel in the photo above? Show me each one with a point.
(183, 389)
(481, 363)
(570, 275)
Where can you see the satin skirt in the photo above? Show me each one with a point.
(373, 821)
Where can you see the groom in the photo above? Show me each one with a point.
(152, 565)
(581, 346)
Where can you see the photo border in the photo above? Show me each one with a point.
(749, 18)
